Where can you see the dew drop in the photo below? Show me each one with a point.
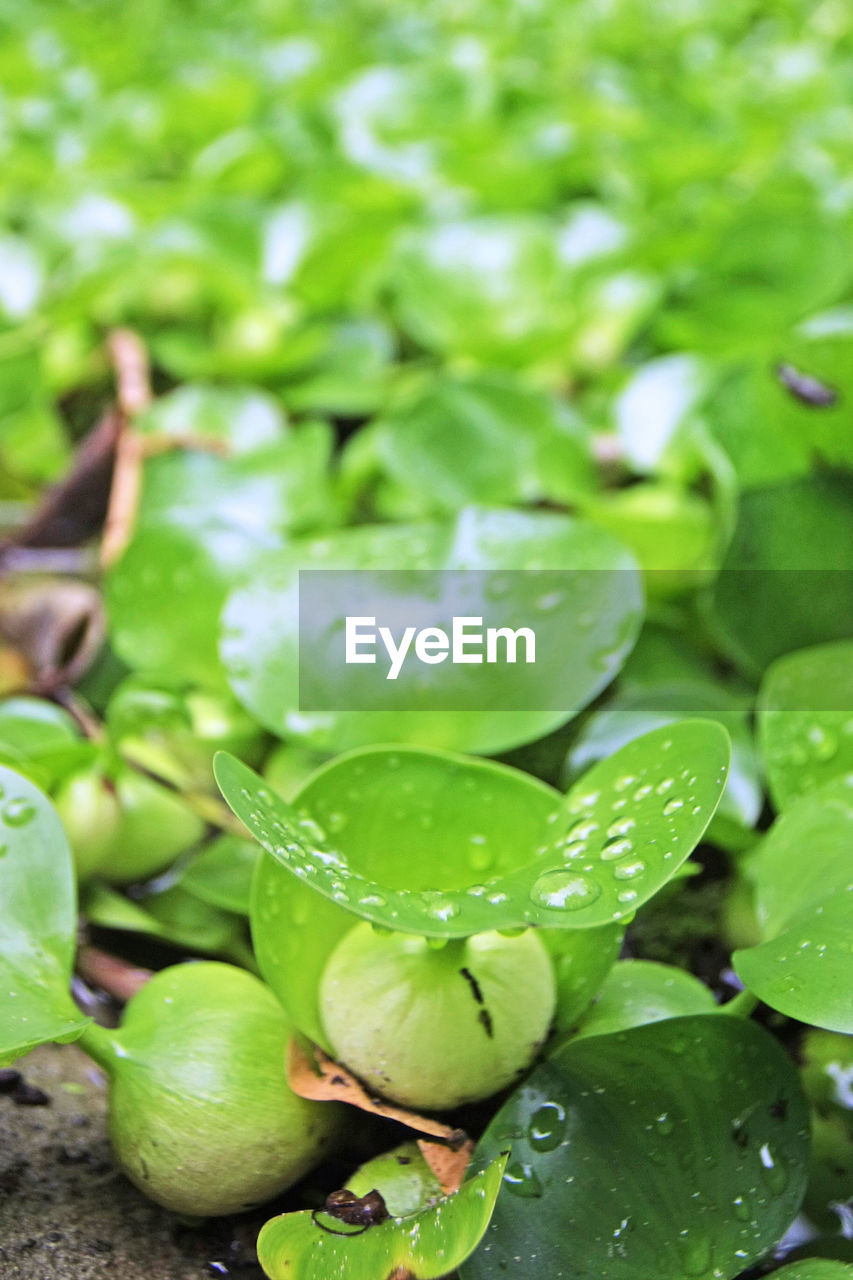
(642, 792)
(436, 944)
(741, 1208)
(627, 780)
(629, 870)
(627, 896)
(522, 1180)
(620, 827)
(439, 907)
(564, 891)
(17, 813)
(664, 1123)
(547, 1127)
(616, 849)
(672, 806)
(666, 785)
(774, 1169)
(581, 831)
(373, 900)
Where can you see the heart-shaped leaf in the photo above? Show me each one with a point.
(436, 844)
(598, 606)
(670, 1150)
(806, 971)
(805, 720)
(404, 837)
(804, 901)
(425, 1245)
(37, 923)
(636, 992)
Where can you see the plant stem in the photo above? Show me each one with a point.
(741, 1005)
(99, 1044)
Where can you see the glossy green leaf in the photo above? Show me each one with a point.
(636, 992)
(805, 855)
(402, 1177)
(670, 1150)
(806, 971)
(260, 625)
(622, 832)
(481, 852)
(804, 902)
(805, 720)
(633, 712)
(426, 1245)
(37, 922)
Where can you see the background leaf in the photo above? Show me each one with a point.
(804, 902)
(259, 644)
(805, 720)
(37, 923)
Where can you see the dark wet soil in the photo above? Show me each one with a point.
(66, 1213)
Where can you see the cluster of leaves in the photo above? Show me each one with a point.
(564, 287)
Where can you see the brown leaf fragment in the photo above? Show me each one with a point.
(447, 1164)
(73, 511)
(313, 1074)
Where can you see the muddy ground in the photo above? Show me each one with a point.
(66, 1213)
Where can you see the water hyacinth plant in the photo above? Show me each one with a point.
(526, 967)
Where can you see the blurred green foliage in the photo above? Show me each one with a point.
(324, 197)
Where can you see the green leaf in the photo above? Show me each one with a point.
(807, 970)
(805, 855)
(636, 992)
(428, 1244)
(260, 626)
(162, 565)
(632, 712)
(621, 833)
(815, 1269)
(488, 440)
(37, 923)
(786, 581)
(670, 1150)
(431, 843)
(221, 873)
(490, 288)
(402, 1177)
(175, 915)
(805, 720)
(804, 902)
